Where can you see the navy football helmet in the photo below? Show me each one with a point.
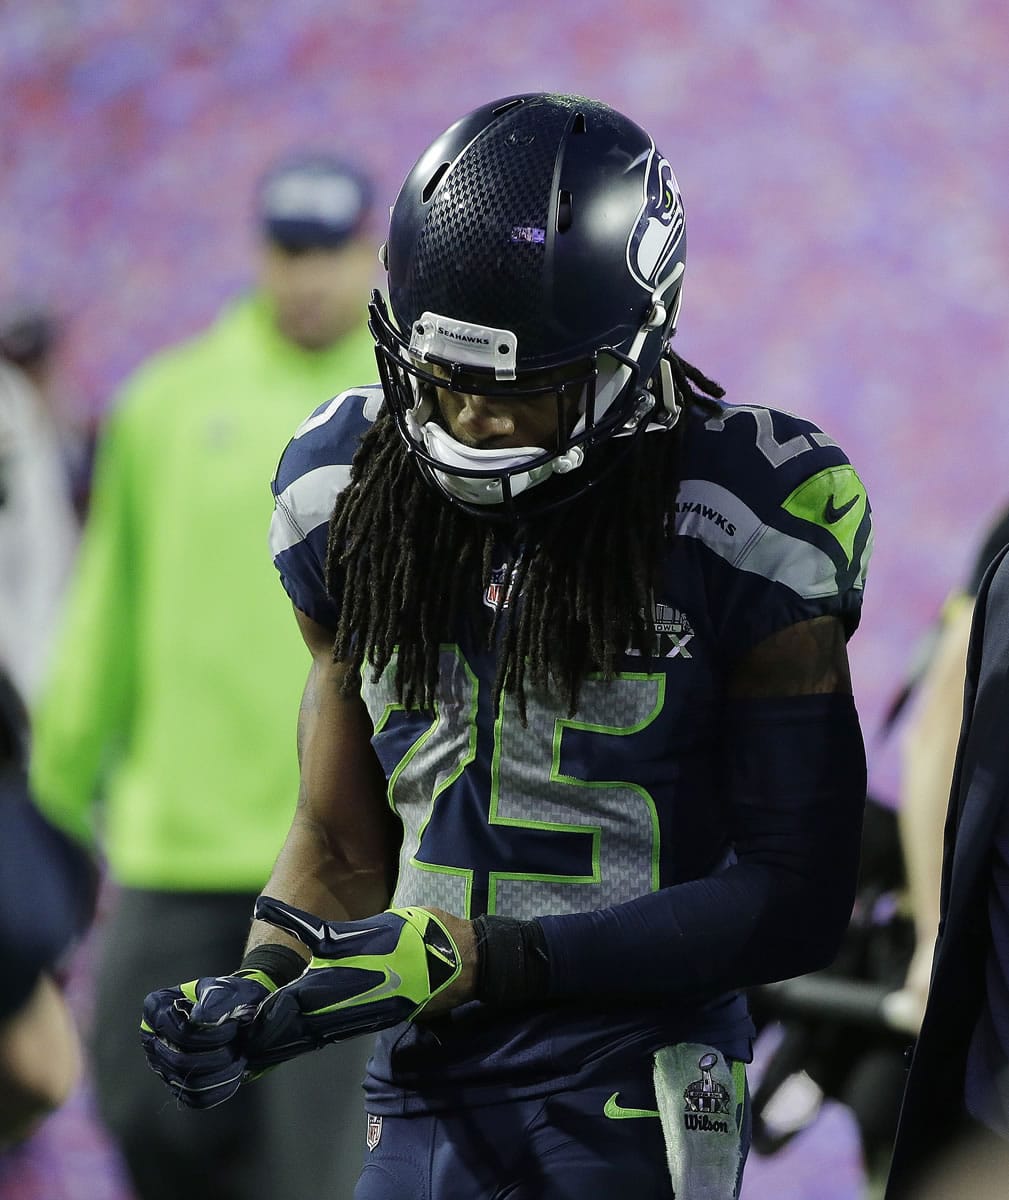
(536, 247)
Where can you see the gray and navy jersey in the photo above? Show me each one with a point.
(570, 813)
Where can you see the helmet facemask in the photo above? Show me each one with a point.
(597, 399)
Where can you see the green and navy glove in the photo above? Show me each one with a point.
(194, 1035)
(364, 976)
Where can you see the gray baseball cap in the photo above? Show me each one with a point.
(313, 200)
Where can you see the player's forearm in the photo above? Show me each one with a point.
(336, 860)
(753, 923)
(338, 883)
(749, 925)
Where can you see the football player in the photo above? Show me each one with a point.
(580, 759)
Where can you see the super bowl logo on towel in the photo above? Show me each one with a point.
(706, 1100)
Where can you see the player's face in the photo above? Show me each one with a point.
(504, 421)
(317, 295)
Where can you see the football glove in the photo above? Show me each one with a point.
(194, 1035)
(364, 976)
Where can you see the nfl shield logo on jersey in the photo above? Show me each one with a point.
(497, 594)
(374, 1134)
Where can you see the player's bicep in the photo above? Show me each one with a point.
(806, 659)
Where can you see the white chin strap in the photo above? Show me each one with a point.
(487, 489)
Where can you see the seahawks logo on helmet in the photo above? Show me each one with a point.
(659, 227)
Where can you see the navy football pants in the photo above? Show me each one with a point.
(563, 1147)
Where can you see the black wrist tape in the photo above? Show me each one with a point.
(512, 965)
(280, 964)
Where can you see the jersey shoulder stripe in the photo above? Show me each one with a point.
(315, 465)
(772, 494)
(305, 504)
(313, 470)
(328, 436)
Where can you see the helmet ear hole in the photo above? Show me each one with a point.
(432, 184)
(563, 211)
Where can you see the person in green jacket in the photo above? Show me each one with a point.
(164, 737)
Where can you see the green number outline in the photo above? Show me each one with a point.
(561, 725)
(460, 872)
(556, 776)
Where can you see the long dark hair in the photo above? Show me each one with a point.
(404, 565)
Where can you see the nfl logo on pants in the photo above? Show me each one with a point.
(374, 1131)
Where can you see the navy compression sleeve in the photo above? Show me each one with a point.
(798, 782)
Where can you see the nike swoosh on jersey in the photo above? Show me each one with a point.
(832, 514)
(617, 1112)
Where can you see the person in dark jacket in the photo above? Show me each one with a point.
(47, 890)
(957, 1092)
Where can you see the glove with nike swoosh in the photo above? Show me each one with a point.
(364, 976)
(194, 1034)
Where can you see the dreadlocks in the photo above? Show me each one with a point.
(404, 564)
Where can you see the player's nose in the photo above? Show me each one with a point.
(480, 417)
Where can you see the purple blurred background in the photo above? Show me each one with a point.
(845, 173)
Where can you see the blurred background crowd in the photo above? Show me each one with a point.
(846, 186)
